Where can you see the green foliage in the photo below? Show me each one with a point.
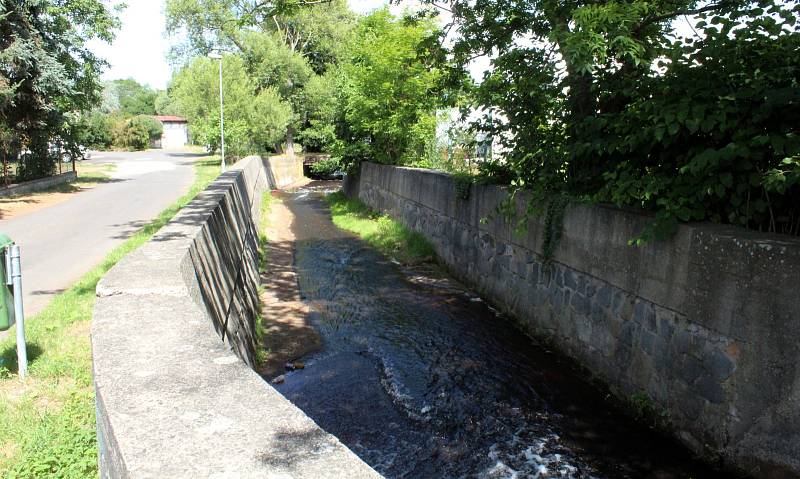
(286, 46)
(553, 227)
(327, 166)
(380, 231)
(320, 109)
(49, 420)
(164, 105)
(255, 120)
(463, 184)
(604, 102)
(706, 147)
(95, 129)
(389, 93)
(130, 98)
(316, 31)
(46, 73)
(644, 409)
(136, 133)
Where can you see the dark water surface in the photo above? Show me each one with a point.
(421, 378)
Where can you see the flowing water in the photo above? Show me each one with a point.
(421, 378)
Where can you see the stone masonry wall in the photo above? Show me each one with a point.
(706, 323)
(172, 345)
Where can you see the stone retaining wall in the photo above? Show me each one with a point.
(706, 324)
(172, 338)
(38, 185)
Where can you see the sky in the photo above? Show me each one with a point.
(140, 48)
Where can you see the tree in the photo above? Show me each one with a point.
(284, 44)
(136, 133)
(390, 94)
(164, 104)
(133, 98)
(315, 29)
(255, 119)
(605, 102)
(46, 72)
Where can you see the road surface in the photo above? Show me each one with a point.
(62, 242)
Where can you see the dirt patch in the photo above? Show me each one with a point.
(288, 334)
(19, 205)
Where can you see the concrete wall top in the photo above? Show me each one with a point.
(173, 398)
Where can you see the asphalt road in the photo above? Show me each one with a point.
(60, 243)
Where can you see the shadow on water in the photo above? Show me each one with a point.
(425, 380)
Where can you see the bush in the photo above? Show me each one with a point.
(136, 133)
(96, 130)
(154, 127)
(326, 167)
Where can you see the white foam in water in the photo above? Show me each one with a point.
(394, 388)
(531, 458)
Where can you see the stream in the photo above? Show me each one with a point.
(422, 378)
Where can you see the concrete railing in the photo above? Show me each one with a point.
(706, 323)
(172, 337)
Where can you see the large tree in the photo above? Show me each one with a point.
(609, 101)
(46, 73)
(255, 118)
(130, 97)
(390, 91)
(285, 45)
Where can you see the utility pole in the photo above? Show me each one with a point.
(218, 56)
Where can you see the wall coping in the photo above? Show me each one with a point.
(38, 184)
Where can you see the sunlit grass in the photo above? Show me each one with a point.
(48, 421)
(380, 231)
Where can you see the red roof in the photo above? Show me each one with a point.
(170, 119)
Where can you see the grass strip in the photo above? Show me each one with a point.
(266, 206)
(382, 232)
(48, 421)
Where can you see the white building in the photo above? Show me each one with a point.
(176, 131)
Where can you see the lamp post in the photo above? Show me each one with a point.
(218, 56)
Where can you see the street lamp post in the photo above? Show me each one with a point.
(218, 56)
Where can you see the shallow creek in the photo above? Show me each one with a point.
(422, 378)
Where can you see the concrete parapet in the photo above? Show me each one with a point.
(38, 185)
(172, 341)
(706, 323)
(284, 170)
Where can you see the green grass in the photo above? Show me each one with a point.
(266, 205)
(380, 231)
(94, 173)
(48, 421)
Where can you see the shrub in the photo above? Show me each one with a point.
(326, 167)
(136, 133)
(96, 130)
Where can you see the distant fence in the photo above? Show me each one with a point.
(24, 167)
